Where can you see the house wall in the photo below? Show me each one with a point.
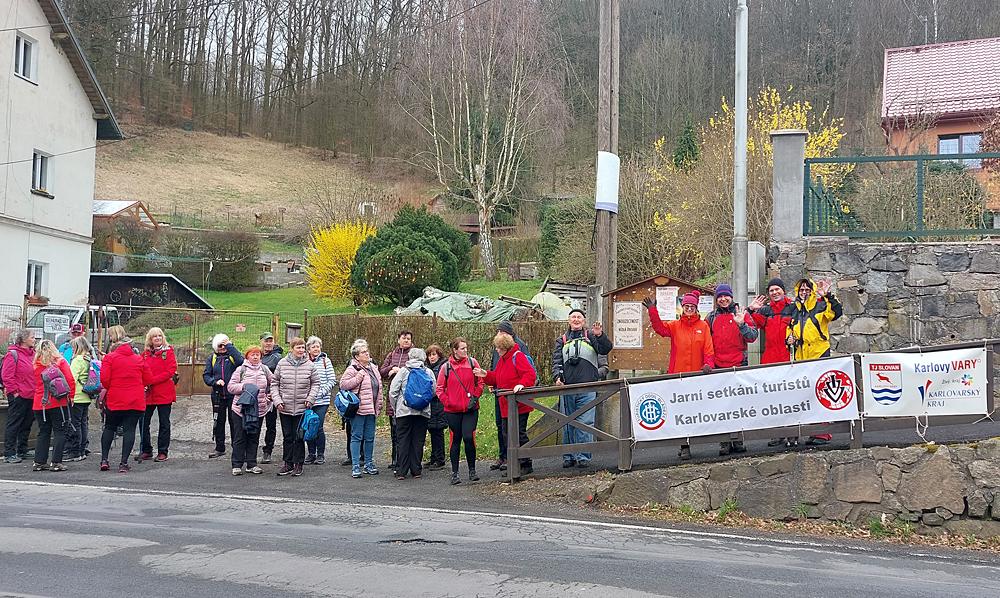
(906, 141)
(54, 115)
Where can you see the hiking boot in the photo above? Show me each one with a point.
(776, 442)
(346, 463)
(567, 463)
(582, 464)
(310, 459)
(58, 467)
(498, 465)
(436, 466)
(144, 457)
(123, 468)
(256, 470)
(356, 472)
(216, 453)
(74, 459)
(160, 457)
(286, 468)
(105, 466)
(472, 475)
(265, 457)
(39, 467)
(320, 459)
(685, 453)
(455, 479)
(724, 449)
(297, 469)
(13, 459)
(29, 454)
(371, 470)
(237, 471)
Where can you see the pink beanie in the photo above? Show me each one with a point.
(691, 298)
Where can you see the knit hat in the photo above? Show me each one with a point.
(723, 290)
(76, 330)
(506, 326)
(577, 309)
(776, 282)
(690, 298)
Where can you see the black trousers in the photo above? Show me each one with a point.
(221, 404)
(244, 445)
(522, 434)
(77, 437)
(437, 444)
(501, 428)
(411, 433)
(271, 432)
(19, 419)
(162, 436)
(52, 425)
(394, 436)
(463, 429)
(128, 420)
(293, 448)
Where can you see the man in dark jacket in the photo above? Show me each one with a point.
(272, 354)
(507, 328)
(219, 368)
(575, 361)
(732, 328)
(393, 362)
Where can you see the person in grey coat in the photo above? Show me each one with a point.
(411, 423)
(294, 389)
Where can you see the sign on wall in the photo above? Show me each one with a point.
(55, 324)
(628, 324)
(808, 392)
(666, 302)
(914, 384)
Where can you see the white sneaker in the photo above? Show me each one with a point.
(237, 471)
(256, 470)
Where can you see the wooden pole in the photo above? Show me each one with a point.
(606, 245)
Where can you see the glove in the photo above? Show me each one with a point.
(649, 302)
(706, 368)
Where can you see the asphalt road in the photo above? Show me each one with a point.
(61, 539)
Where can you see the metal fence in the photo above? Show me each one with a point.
(919, 196)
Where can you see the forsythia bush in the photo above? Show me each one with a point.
(330, 255)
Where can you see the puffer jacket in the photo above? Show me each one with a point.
(162, 367)
(438, 420)
(18, 372)
(40, 391)
(691, 346)
(295, 384)
(327, 379)
(249, 374)
(455, 382)
(810, 322)
(399, 406)
(124, 376)
(366, 383)
(396, 358)
(772, 320)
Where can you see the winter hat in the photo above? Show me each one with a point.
(577, 309)
(691, 298)
(723, 290)
(76, 330)
(217, 340)
(506, 326)
(776, 282)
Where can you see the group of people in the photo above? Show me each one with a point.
(795, 328)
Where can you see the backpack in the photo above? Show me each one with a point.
(419, 390)
(92, 383)
(54, 385)
(531, 361)
(571, 346)
(347, 403)
(310, 425)
(10, 351)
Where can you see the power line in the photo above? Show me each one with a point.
(127, 16)
(254, 98)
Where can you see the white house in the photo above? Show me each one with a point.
(53, 115)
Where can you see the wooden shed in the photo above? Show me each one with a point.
(107, 212)
(637, 346)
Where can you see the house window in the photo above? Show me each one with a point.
(40, 172)
(35, 284)
(25, 57)
(967, 143)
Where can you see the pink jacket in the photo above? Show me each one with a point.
(19, 378)
(366, 383)
(248, 374)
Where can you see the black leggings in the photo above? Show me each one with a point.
(128, 419)
(463, 428)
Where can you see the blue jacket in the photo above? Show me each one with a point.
(220, 366)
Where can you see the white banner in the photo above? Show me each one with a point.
(808, 392)
(934, 383)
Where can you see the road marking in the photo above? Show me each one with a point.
(752, 540)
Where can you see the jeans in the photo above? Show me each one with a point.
(52, 425)
(19, 418)
(221, 403)
(244, 445)
(363, 432)
(501, 428)
(463, 429)
(77, 438)
(162, 436)
(317, 446)
(411, 432)
(293, 448)
(128, 419)
(568, 404)
(271, 422)
(347, 431)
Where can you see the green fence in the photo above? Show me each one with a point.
(919, 196)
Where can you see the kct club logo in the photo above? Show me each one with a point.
(834, 390)
(651, 412)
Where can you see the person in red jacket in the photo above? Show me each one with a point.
(124, 377)
(691, 348)
(732, 329)
(459, 390)
(17, 374)
(51, 413)
(160, 395)
(513, 371)
(772, 315)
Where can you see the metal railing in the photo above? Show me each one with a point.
(918, 196)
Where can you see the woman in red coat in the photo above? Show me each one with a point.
(459, 391)
(515, 372)
(160, 395)
(51, 413)
(124, 376)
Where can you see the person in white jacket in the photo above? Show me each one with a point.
(327, 381)
(412, 413)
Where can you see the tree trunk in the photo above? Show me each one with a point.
(486, 242)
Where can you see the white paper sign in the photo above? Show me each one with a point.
(666, 302)
(934, 383)
(807, 392)
(706, 305)
(55, 324)
(606, 191)
(628, 325)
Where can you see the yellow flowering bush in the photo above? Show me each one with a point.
(329, 257)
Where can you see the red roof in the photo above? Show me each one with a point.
(952, 78)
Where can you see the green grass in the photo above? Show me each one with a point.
(520, 289)
(272, 246)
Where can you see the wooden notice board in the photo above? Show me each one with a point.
(637, 346)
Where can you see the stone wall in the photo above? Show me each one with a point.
(954, 489)
(900, 294)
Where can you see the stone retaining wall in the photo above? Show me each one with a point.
(954, 489)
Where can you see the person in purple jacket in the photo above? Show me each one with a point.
(17, 373)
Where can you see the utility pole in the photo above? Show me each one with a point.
(740, 250)
(607, 141)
